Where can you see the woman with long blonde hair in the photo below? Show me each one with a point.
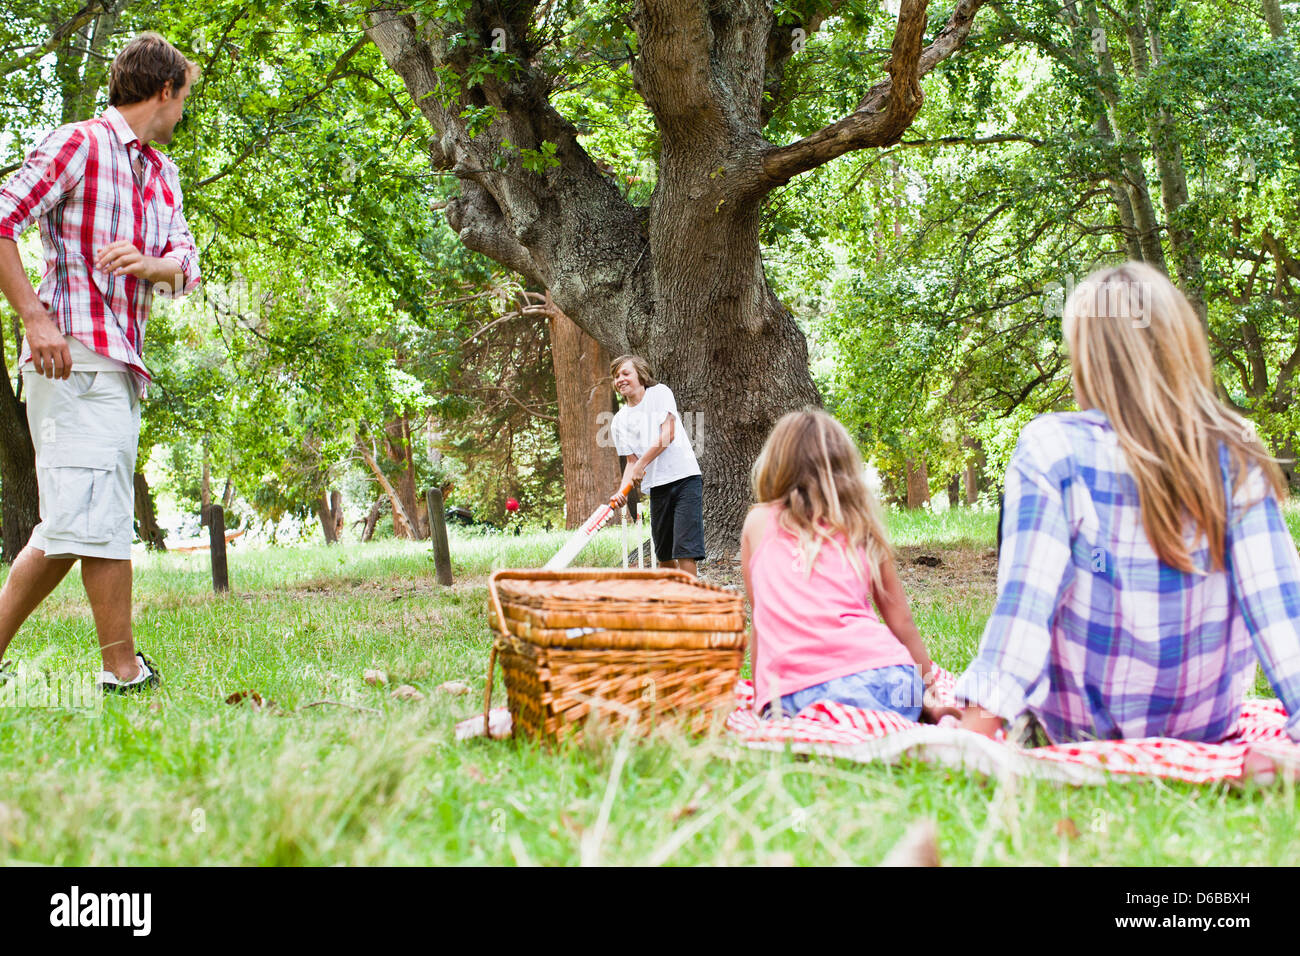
(815, 555)
(1145, 562)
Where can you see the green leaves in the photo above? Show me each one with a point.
(539, 160)
(479, 118)
(936, 322)
(447, 11)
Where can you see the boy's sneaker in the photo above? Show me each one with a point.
(148, 677)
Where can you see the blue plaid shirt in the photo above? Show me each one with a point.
(1095, 636)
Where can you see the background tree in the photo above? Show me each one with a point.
(681, 189)
(681, 278)
(1059, 143)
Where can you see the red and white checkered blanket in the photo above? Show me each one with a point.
(869, 735)
(851, 733)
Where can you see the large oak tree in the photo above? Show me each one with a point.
(680, 279)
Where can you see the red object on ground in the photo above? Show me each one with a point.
(512, 504)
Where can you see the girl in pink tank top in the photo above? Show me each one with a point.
(814, 556)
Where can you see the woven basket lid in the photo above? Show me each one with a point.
(610, 601)
(657, 595)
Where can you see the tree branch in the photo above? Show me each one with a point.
(481, 226)
(781, 49)
(502, 390)
(61, 33)
(672, 71)
(999, 138)
(252, 147)
(563, 226)
(888, 108)
(399, 512)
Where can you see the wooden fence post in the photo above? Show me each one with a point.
(217, 537)
(438, 534)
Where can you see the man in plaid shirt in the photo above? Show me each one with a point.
(114, 235)
(1094, 636)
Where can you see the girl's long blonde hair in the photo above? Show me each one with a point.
(1139, 354)
(811, 468)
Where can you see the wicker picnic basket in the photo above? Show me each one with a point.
(650, 646)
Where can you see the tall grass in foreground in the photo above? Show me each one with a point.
(338, 771)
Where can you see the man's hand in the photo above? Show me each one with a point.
(122, 258)
(50, 354)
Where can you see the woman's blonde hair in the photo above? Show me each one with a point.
(811, 468)
(1139, 354)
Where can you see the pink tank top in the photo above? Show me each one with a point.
(809, 629)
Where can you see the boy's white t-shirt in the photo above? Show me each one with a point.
(636, 427)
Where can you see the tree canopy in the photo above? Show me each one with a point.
(778, 205)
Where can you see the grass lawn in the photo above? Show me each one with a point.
(337, 771)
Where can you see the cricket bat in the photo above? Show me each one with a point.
(578, 540)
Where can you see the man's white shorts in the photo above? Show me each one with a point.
(85, 430)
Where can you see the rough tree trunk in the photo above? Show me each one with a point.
(918, 483)
(81, 65)
(19, 499)
(372, 519)
(1145, 50)
(95, 73)
(1133, 177)
(329, 509)
(730, 351)
(336, 509)
(586, 403)
(973, 477)
(146, 517)
(400, 448)
(1273, 17)
(1287, 452)
(68, 62)
(680, 282)
(205, 491)
(1117, 180)
(403, 525)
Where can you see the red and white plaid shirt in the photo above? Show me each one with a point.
(80, 185)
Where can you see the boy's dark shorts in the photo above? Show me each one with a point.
(677, 519)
